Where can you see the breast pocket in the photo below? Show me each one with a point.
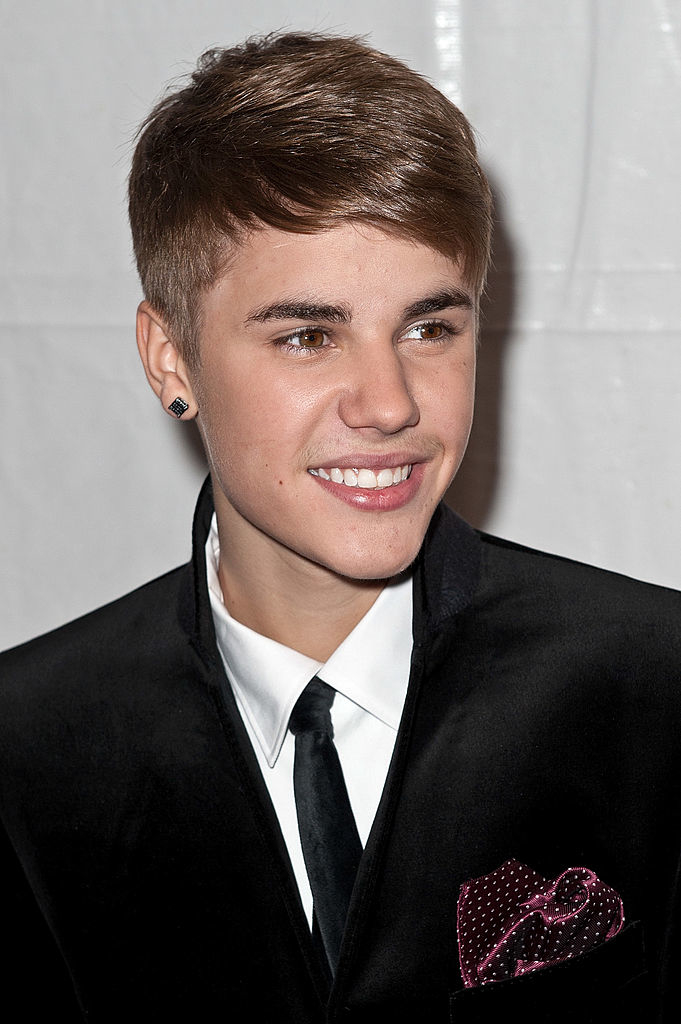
(608, 983)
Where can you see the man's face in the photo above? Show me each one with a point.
(335, 398)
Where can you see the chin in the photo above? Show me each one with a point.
(379, 554)
(370, 566)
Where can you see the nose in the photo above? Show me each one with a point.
(376, 393)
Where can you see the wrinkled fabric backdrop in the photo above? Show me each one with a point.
(575, 446)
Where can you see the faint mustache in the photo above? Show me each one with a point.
(417, 449)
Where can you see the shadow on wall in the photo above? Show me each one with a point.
(474, 490)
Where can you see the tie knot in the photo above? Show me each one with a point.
(312, 710)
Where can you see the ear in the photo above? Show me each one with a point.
(163, 364)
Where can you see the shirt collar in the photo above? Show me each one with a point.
(370, 667)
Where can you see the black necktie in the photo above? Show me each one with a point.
(328, 833)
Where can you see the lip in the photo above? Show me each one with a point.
(387, 499)
(367, 461)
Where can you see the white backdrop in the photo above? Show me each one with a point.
(575, 446)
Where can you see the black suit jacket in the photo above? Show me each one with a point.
(144, 868)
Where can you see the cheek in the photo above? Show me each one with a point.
(448, 402)
(249, 423)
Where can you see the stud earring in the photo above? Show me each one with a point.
(178, 407)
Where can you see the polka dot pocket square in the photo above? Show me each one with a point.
(514, 921)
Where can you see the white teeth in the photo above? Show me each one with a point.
(366, 478)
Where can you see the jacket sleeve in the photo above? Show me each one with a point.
(35, 979)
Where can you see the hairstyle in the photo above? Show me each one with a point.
(299, 132)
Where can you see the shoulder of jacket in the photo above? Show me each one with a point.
(142, 616)
(538, 587)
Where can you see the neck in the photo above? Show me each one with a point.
(297, 603)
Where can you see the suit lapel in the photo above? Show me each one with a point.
(196, 616)
(445, 578)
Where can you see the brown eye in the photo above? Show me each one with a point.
(430, 331)
(311, 339)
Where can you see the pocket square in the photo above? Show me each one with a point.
(514, 921)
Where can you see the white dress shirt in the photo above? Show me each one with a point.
(369, 671)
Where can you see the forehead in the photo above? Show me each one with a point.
(353, 265)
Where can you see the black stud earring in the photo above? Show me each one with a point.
(179, 407)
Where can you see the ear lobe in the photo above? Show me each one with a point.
(163, 364)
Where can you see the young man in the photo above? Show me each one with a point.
(187, 836)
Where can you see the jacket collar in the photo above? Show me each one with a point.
(445, 577)
(446, 572)
(194, 612)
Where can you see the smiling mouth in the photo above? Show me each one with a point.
(367, 478)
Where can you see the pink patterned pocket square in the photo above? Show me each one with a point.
(513, 921)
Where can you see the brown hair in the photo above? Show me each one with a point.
(298, 132)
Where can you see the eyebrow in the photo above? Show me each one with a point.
(449, 298)
(303, 309)
(300, 309)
